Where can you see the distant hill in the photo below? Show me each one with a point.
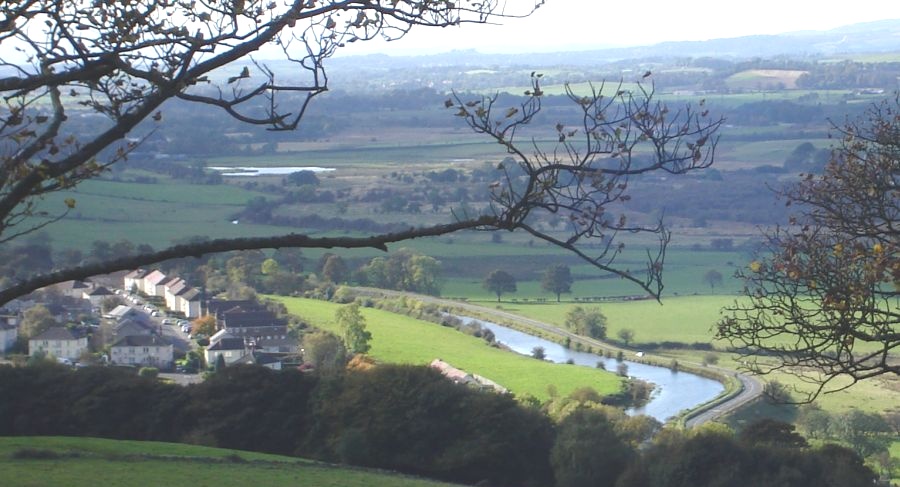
(870, 37)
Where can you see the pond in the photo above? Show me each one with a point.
(673, 391)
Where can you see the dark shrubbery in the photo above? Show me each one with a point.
(410, 419)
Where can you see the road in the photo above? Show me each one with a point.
(751, 386)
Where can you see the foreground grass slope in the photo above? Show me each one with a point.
(401, 339)
(77, 462)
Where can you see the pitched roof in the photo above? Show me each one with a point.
(228, 343)
(156, 277)
(219, 335)
(141, 341)
(189, 294)
(243, 319)
(215, 306)
(121, 311)
(73, 285)
(258, 358)
(99, 291)
(132, 325)
(136, 274)
(58, 333)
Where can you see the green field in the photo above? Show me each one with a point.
(678, 319)
(401, 339)
(91, 462)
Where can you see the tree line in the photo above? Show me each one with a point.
(413, 420)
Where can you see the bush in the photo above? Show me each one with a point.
(150, 372)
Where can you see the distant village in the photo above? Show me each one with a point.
(147, 319)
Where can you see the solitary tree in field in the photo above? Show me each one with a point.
(557, 280)
(499, 282)
(353, 328)
(713, 278)
(626, 335)
(120, 62)
(823, 299)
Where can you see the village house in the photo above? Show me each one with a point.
(134, 280)
(97, 295)
(58, 342)
(132, 327)
(268, 360)
(188, 302)
(230, 348)
(74, 289)
(243, 350)
(171, 288)
(239, 322)
(152, 284)
(142, 350)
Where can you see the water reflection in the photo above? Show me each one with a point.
(673, 392)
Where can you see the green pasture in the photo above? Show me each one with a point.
(678, 319)
(401, 339)
(89, 462)
(683, 276)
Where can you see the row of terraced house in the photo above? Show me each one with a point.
(178, 295)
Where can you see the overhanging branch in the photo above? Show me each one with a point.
(196, 249)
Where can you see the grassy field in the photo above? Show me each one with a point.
(401, 339)
(678, 319)
(90, 462)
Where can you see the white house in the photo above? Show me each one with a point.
(134, 280)
(188, 302)
(171, 288)
(58, 342)
(230, 348)
(152, 284)
(143, 350)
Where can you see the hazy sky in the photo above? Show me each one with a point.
(586, 24)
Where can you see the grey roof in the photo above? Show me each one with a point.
(57, 333)
(189, 294)
(141, 341)
(259, 358)
(244, 319)
(136, 274)
(100, 291)
(228, 343)
(121, 311)
(216, 306)
(129, 325)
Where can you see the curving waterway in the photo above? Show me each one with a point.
(673, 392)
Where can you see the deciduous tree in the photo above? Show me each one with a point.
(557, 280)
(590, 322)
(499, 282)
(205, 325)
(822, 296)
(353, 328)
(713, 278)
(122, 61)
(36, 320)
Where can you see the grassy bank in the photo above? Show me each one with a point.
(401, 339)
